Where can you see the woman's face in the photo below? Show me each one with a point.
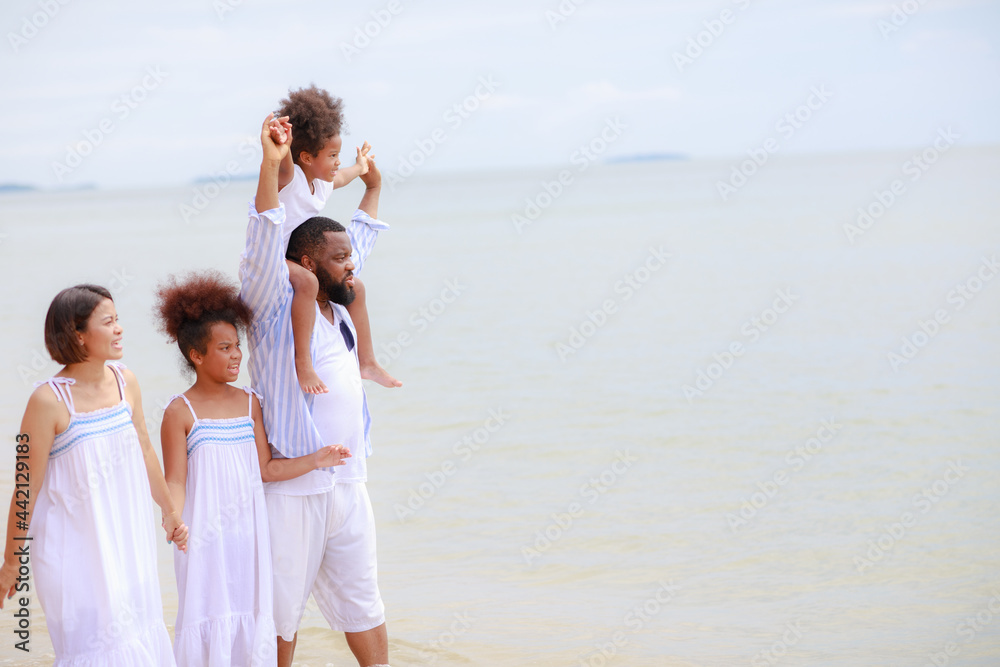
(102, 339)
(221, 361)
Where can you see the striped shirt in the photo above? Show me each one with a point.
(266, 290)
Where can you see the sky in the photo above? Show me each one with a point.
(125, 94)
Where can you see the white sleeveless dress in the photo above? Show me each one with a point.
(225, 608)
(94, 542)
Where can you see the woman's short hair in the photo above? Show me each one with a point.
(68, 314)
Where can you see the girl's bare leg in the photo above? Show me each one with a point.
(370, 369)
(306, 288)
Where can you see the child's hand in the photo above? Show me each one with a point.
(276, 137)
(362, 159)
(331, 455)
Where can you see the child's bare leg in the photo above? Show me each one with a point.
(306, 287)
(370, 369)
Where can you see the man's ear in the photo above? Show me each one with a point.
(308, 263)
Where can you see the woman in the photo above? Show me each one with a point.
(90, 471)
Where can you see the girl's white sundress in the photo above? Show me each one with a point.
(94, 542)
(224, 610)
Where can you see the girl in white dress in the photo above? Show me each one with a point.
(88, 466)
(216, 455)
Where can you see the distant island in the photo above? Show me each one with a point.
(16, 187)
(647, 157)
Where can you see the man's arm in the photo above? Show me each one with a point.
(262, 267)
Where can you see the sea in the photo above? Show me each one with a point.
(654, 413)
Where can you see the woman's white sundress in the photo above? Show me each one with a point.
(94, 542)
(224, 587)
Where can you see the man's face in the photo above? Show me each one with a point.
(334, 269)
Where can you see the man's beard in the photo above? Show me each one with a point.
(340, 293)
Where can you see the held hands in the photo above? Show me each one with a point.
(331, 455)
(276, 137)
(371, 177)
(362, 159)
(177, 531)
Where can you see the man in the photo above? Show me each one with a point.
(322, 526)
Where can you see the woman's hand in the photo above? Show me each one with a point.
(8, 579)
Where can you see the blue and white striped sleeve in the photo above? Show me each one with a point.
(263, 272)
(363, 232)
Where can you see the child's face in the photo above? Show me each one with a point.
(325, 164)
(221, 361)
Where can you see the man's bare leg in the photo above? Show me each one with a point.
(286, 650)
(370, 647)
(370, 369)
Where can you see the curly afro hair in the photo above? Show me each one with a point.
(187, 309)
(315, 115)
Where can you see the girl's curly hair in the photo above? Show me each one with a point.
(315, 115)
(186, 309)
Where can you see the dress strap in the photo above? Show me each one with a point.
(117, 369)
(250, 394)
(60, 387)
(186, 401)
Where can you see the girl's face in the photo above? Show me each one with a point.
(221, 361)
(102, 339)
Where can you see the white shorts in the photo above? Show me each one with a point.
(324, 544)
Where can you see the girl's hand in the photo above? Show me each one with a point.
(177, 531)
(331, 455)
(8, 578)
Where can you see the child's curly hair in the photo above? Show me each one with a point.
(315, 115)
(187, 309)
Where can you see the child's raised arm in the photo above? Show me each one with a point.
(359, 168)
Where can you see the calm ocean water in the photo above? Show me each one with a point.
(649, 428)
